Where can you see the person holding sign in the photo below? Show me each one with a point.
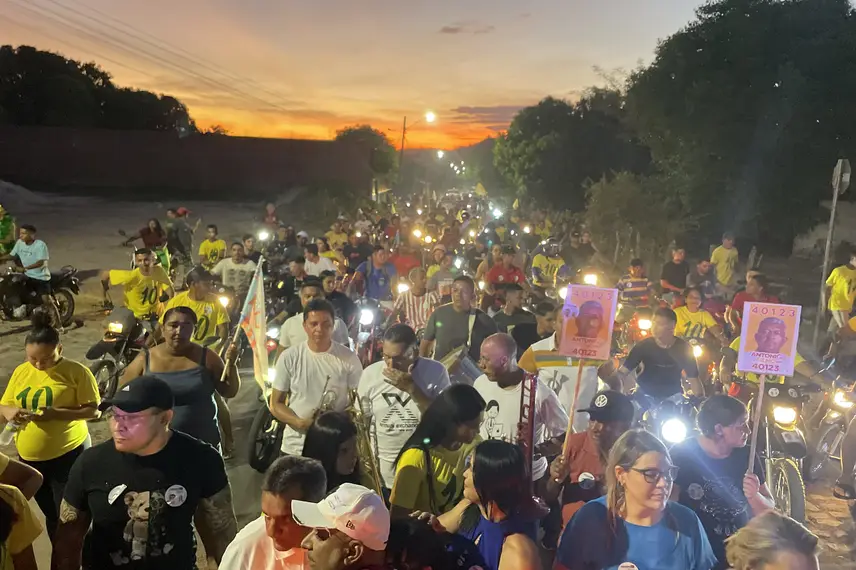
(664, 359)
(712, 478)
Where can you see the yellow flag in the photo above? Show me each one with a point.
(516, 204)
(480, 189)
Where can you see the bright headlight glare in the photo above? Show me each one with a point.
(417, 233)
(115, 328)
(224, 300)
(590, 279)
(563, 293)
(264, 235)
(841, 400)
(273, 332)
(784, 415)
(644, 324)
(472, 233)
(458, 261)
(359, 234)
(497, 213)
(366, 317)
(674, 430)
(481, 284)
(418, 211)
(526, 229)
(698, 351)
(403, 287)
(428, 239)
(463, 241)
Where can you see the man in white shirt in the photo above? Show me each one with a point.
(292, 332)
(500, 386)
(316, 375)
(557, 372)
(315, 264)
(272, 541)
(236, 271)
(395, 391)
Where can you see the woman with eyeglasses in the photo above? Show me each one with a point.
(636, 527)
(429, 470)
(712, 480)
(498, 513)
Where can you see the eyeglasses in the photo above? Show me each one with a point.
(653, 476)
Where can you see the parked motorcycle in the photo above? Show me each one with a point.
(18, 301)
(124, 338)
(782, 443)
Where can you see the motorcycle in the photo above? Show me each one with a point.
(782, 443)
(124, 338)
(18, 301)
(829, 425)
(672, 419)
(634, 330)
(371, 325)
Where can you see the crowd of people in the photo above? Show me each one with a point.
(449, 481)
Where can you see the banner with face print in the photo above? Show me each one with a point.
(586, 323)
(768, 339)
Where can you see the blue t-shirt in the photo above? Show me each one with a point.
(677, 542)
(379, 281)
(29, 254)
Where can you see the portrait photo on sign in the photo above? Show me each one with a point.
(768, 338)
(587, 320)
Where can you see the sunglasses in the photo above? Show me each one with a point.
(652, 476)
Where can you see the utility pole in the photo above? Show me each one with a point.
(401, 150)
(840, 183)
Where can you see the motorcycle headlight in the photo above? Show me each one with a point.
(784, 415)
(527, 229)
(620, 306)
(224, 300)
(481, 285)
(418, 211)
(840, 399)
(645, 324)
(403, 287)
(359, 234)
(563, 293)
(463, 241)
(428, 239)
(472, 233)
(497, 213)
(458, 261)
(417, 233)
(366, 317)
(115, 328)
(698, 351)
(273, 332)
(674, 430)
(590, 279)
(264, 235)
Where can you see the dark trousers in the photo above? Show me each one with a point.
(55, 473)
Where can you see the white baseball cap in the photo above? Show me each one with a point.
(302, 234)
(351, 509)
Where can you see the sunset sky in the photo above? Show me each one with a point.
(304, 69)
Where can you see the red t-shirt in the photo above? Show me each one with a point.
(498, 274)
(403, 264)
(743, 297)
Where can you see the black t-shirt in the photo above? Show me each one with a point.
(661, 376)
(356, 254)
(505, 322)
(525, 335)
(254, 256)
(713, 488)
(450, 329)
(345, 308)
(675, 274)
(142, 507)
(475, 257)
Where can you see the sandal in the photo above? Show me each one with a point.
(844, 491)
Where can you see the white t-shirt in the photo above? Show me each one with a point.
(395, 414)
(235, 275)
(563, 380)
(502, 413)
(292, 333)
(253, 549)
(305, 374)
(316, 267)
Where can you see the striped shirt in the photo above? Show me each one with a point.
(417, 310)
(633, 290)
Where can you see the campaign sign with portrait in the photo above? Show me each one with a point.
(588, 317)
(768, 339)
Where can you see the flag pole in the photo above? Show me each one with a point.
(244, 311)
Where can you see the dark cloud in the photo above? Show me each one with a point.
(467, 28)
(496, 118)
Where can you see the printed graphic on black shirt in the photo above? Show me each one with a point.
(145, 531)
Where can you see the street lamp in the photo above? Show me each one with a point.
(429, 117)
(440, 154)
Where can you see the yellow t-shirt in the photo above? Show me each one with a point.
(543, 229)
(209, 315)
(548, 266)
(725, 261)
(410, 488)
(842, 280)
(26, 529)
(212, 251)
(336, 240)
(752, 377)
(69, 384)
(432, 269)
(693, 325)
(330, 254)
(142, 293)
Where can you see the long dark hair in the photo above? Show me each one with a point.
(323, 439)
(456, 405)
(500, 477)
(158, 229)
(43, 331)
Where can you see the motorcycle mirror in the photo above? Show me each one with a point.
(122, 233)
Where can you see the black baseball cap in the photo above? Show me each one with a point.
(611, 406)
(141, 394)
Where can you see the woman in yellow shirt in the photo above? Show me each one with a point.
(19, 529)
(695, 324)
(49, 398)
(430, 468)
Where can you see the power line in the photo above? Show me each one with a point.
(99, 37)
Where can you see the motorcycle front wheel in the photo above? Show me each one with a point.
(65, 306)
(788, 489)
(106, 377)
(266, 440)
(826, 450)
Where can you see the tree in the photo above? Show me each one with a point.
(750, 104)
(553, 148)
(481, 168)
(382, 152)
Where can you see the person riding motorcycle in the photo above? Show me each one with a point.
(212, 320)
(143, 287)
(634, 290)
(154, 238)
(548, 267)
(212, 249)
